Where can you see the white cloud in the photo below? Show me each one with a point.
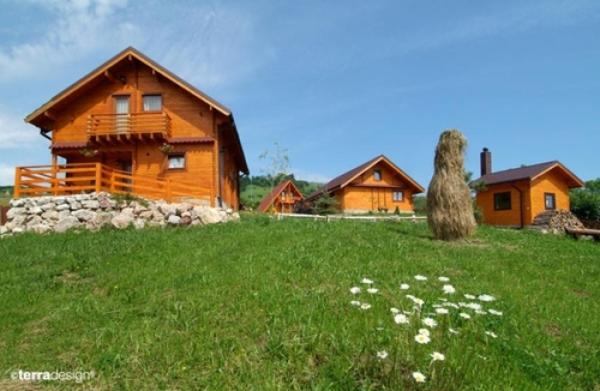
(80, 27)
(7, 175)
(14, 132)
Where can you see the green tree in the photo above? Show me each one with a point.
(585, 202)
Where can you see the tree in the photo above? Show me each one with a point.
(326, 205)
(449, 204)
(585, 202)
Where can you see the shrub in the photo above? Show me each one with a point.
(326, 204)
(585, 202)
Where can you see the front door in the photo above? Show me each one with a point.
(122, 113)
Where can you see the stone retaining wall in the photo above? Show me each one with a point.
(96, 210)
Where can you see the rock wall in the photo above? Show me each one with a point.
(96, 210)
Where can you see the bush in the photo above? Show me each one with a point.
(585, 202)
(326, 204)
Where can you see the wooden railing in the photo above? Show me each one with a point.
(134, 123)
(69, 179)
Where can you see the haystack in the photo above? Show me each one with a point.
(449, 205)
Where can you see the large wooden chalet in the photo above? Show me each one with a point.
(132, 126)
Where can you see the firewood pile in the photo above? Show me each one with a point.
(557, 220)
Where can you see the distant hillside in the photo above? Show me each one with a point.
(254, 188)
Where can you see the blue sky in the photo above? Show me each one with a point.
(334, 82)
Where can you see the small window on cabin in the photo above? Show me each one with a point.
(377, 175)
(152, 102)
(398, 196)
(550, 201)
(502, 201)
(177, 161)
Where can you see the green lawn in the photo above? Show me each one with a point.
(265, 304)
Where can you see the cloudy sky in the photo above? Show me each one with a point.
(334, 82)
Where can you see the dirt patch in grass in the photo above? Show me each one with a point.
(16, 385)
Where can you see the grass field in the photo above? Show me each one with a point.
(265, 304)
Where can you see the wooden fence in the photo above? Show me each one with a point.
(78, 178)
(413, 218)
(3, 211)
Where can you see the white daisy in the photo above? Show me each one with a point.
(453, 305)
(424, 332)
(422, 339)
(441, 311)
(355, 302)
(470, 297)
(474, 306)
(419, 377)
(491, 334)
(419, 277)
(365, 306)
(495, 312)
(451, 330)
(367, 281)
(429, 322)
(401, 319)
(480, 312)
(404, 286)
(464, 315)
(448, 289)
(437, 356)
(394, 310)
(419, 302)
(355, 290)
(382, 355)
(486, 298)
(443, 279)
(372, 290)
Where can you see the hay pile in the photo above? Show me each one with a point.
(449, 205)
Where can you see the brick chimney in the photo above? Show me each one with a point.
(486, 162)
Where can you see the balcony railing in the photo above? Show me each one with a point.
(125, 126)
(66, 179)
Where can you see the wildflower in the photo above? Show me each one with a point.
(422, 338)
(415, 300)
(448, 289)
(443, 279)
(372, 290)
(464, 315)
(365, 306)
(355, 302)
(355, 290)
(394, 310)
(474, 306)
(441, 311)
(404, 286)
(437, 356)
(429, 322)
(424, 332)
(442, 299)
(367, 281)
(480, 312)
(470, 297)
(419, 377)
(495, 312)
(382, 355)
(491, 334)
(486, 298)
(419, 277)
(401, 319)
(451, 330)
(453, 305)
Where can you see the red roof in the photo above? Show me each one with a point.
(528, 173)
(268, 199)
(347, 177)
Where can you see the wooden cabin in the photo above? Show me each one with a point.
(132, 126)
(515, 197)
(375, 186)
(282, 199)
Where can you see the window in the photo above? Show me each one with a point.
(176, 161)
(502, 201)
(377, 175)
(550, 201)
(152, 102)
(398, 196)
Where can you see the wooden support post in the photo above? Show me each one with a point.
(112, 181)
(98, 177)
(168, 189)
(17, 189)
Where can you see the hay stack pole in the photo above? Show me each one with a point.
(449, 206)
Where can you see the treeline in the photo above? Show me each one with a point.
(254, 188)
(585, 203)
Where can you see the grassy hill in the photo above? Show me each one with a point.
(265, 304)
(254, 188)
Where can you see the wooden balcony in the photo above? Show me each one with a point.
(122, 128)
(68, 179)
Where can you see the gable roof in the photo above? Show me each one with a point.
(130, 53)
(268, 199)
(347, 177)
(530, 173)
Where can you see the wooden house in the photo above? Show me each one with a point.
(282, 199)
(132, 126)
(515, 197)
(375, 186)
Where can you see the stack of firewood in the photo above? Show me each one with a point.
(557, 220)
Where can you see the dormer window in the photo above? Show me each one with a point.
(152, 102)
(377, 175)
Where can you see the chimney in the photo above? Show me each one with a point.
(486, 162)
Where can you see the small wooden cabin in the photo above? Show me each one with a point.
(132, 126)
(282, 199)
(375, 186)
(515, 197)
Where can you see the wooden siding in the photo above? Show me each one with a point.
(550, 182)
